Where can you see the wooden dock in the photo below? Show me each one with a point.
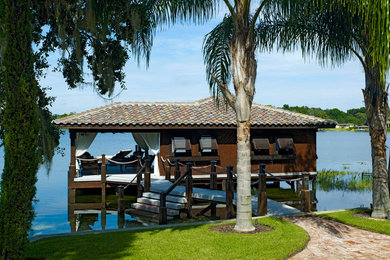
(274, 208)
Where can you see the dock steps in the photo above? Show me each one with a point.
(156, 202)
(154, 209)
(156, 196)
(148, 206)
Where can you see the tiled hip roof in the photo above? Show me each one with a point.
(202, 113)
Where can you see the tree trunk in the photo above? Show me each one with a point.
(244, 75)
(376, 102)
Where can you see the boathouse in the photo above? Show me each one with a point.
(201, 132)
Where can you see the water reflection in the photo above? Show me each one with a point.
(97, 216)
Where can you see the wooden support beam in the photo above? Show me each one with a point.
(203, 211)
(189, 186)
(213, 186)
(305, 193)
(262, 192)
(139, 177)
(229, 193)
(103, 180)
(177, 169)
(147, 175)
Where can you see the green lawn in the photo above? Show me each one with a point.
(185, 242)
(380, 226)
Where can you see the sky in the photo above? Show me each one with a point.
(176, 72)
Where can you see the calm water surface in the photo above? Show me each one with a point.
(336, 150)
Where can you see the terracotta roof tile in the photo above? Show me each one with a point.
(203, 112)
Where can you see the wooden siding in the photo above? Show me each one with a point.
(304, 140)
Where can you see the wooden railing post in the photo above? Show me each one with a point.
(305, 193)
(139, 177)
(213, 186)
(71, 190)
(121, 205)
(189, 190)
(147, 175)
(121, 199)
(177, 169)
(103, 180)
(229, 192)
(163, 209)
(262, 192)
(167, 169)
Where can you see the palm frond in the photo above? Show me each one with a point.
(329, 35)
(216, 54)
(171, 11)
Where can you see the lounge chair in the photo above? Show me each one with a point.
(88, 164)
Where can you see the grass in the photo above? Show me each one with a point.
(380, 226)
(185, 242)
(279, 194)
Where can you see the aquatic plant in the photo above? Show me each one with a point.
(329, 180)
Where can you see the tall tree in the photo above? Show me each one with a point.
(20, 123)
(229, 54)
(336, 31)
(105, 34)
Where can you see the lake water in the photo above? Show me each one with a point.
(336, 150)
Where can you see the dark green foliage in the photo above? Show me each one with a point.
(25, 120)
(20, 124)
(105, 33)
(352, 116)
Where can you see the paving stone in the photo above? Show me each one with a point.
(330, 239)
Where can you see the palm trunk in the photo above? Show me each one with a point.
(244, 75)
(376, 102)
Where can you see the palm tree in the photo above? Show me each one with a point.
(335, 32)
(229, 54)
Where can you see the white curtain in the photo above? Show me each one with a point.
(83, 142)
(150, 141)
(140, 140)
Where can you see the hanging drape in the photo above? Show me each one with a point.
(150, 141)
(83, 142)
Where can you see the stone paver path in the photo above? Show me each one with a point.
(332, 240)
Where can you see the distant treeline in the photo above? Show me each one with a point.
(355, 116)
(56, 116)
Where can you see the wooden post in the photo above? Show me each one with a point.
(189, 190)
(139, 177)
(162, 220)
(103, 180)
(213, 186)
(147, 175)
(305, 193)
(72, 218)
(103, 216)
(262, 192)
(177, 169)
(229, 192)
(72, 168)
(314, 193)
(298, 187)
(121, 206)
(121, 199)
(167, 169)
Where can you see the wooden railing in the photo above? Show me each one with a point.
(163, 217)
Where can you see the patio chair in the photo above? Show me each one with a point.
(88, 164)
